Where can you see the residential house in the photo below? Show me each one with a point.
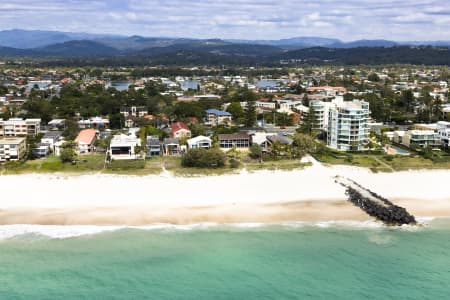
(85, 141)
(171, 146)
(40, 151)
(57, 124)
(12, 148)
(260, 138)
(153, 146)
(280, 139)
(199, 142)
(134, 111)
(123, 147)
(180, 130)
(216, 117)
(95, 122)
(240, 141)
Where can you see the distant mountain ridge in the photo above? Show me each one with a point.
(183, 51)
(31, 39)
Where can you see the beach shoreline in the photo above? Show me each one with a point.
(261, 196)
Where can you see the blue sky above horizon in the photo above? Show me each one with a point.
(239, 19)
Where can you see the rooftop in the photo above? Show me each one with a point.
(218, 112)
(86, 136)
(11, 141)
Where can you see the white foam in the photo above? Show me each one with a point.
(65, 232)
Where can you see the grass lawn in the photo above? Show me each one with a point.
(51, 164)
(384, 163)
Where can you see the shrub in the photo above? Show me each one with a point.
(203, 158)
(68, 155)
(234, 163)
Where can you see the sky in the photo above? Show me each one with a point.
(401, 20)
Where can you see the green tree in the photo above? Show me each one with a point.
(373, 77)
(68, 155)
(256, 152)
(236, 110)
(250, 114)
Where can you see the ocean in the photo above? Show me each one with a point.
(206, 261)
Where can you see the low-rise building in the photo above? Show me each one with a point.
(85, 141)
(216, 117)
(153, 146)
(240, 141)
(12, 149)
(421, 138)
(171, 147)
(134, 111)
(180, 130)
(123, 147)
(20, 127)
(40, 151)
(199, 142)
(95, 122)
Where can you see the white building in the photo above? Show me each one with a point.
(199, 142)
(12, 149)
(123, 147)
(347, 126)
(20, 127)
(421, 138)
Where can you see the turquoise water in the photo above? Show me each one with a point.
(275, 262)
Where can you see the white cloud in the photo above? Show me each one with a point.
(263, 19)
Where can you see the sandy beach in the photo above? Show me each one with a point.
(264, 196)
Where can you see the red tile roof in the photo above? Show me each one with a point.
(178, 126)
(86, 136)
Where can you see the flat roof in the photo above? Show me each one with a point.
(12, 141)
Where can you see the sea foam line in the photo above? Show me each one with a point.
(73, 231)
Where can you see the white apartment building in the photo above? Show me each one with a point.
(12, 149)
(347, 126)
(321, 110)
(20, 127)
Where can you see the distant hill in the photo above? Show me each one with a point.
(373, 55)
(168, 51)
(364, 43)
(31, 39)
(77, 48)
(297, 42)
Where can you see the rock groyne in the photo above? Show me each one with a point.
(375, 205)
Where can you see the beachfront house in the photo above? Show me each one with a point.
(216, 117)
(240, 141)
(12, 149)
(85, 141)
(124, 147)
(171, 147)
(199, 142)
(40, 150)
(153, 146)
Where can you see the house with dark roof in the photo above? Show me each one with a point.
(153, 146)
(171, 147)
(240, 141)
(216, 117)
